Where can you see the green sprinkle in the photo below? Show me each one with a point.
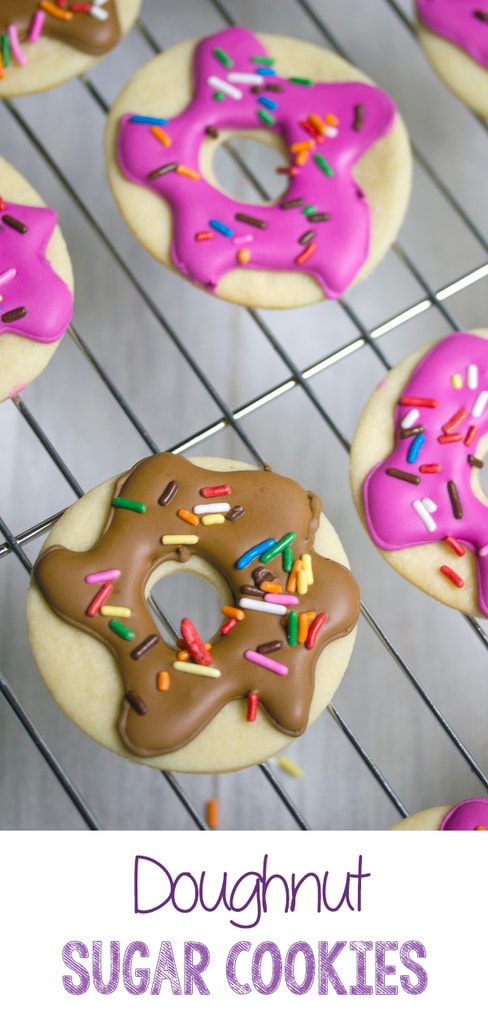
(262, 60)
(308, 210)
(121, 630)
(278, 547)
(324, 166)
(5, 49)
(265, 117)
(301, 81)
(132, 506)
(219, 96)
(223, 57)
(288, 559)
(292, 628)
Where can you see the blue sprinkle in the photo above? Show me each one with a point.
(141, 119)
(254, 552)
(266, 102)
(218, 226)
(267, 72)
(415, 447)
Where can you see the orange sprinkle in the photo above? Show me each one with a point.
(233, 613)
(331, 119)
(243, 255)
(188, 172)
(291, 583)
(163, 681)
(55, 11)
(297, 147)
(304, 620)
(188, 517)
(213, 813)
(301, 158)
(270, 587)
(160, 134)
(317, 122)
(183, 655)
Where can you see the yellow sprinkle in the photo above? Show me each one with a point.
(457, 381)
(113, 610)
(179, 538)
(213, 519)
(161, 135)
(302, 581)
(289, 766)
(243, 255)
(307, 565)
(188, 172)
(196, 670)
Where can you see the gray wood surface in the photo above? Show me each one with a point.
(432, 655)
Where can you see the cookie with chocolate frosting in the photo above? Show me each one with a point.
(289, 607)
(44, 43)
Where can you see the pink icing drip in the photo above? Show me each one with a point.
(342, 241)
(455, 21)
(35, 285)
(466, 817)
(390, 517)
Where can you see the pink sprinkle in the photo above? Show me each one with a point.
(264, 662)
(281, 598)
(36, 26)
(102, 577)
(15, 45)
(8, 275)
(242, 239)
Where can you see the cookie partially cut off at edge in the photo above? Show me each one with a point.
(373, 442)
(467, 79)
(81, 672)
(49, 62)
(162, 88)
(469, 816)
(21, 358)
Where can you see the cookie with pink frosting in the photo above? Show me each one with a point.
(36, 283)
(416, 463)
(454, 37)
(468, 816)
(43, 43)
(343, 167)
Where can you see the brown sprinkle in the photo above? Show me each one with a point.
(455, 500)
(168, 494)
(144, 646)
(164, 169)
(252, 591)
(261, 573)
(136, 702)
(400, 474)
(291, 204)
(273, 87)
(12, 222)
(315, 218)
(473, 461)
(306, 237)
(358, 117)
(270, 647)
(211, 132)
(254, 221)
(14, 314)
(235, 513)
(410, 431)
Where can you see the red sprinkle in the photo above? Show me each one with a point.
(430, 467)
(314, 629)
(312, 130)
(455, 421)
(452, 576)
(424, 403)
(195, 643)
(449, 438)
(252, 706)
(215, 492)
(306, 253)
(471, 435)
(203, 236)
(456, 546)
(228, 626)
(99, 599)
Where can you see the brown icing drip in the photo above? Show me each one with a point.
(131, 542)
(83, 31)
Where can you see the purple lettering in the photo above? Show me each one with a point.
(84, 983)
(413, 947)
(326, 971)
(361, 988)
(299, 988)
(193, 971)
(142, 974)
(230, 968)
(382, 969)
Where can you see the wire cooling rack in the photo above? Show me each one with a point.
(150, 364)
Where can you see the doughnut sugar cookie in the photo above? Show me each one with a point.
(36, 283)
(343, 167)
(468, 816)
(454, 37)
(43, 43)
(289, 610)
(415, 469)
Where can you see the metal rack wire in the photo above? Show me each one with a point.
(347, 347)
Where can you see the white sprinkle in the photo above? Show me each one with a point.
(424, 515)
(483, 551)
(245, 77)
(480, 403)
(410, 418)
(472, 377)
(429, 505)
(260, 606)
(217, 506)
(97, 12)
(222, 86)
(331, 131)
